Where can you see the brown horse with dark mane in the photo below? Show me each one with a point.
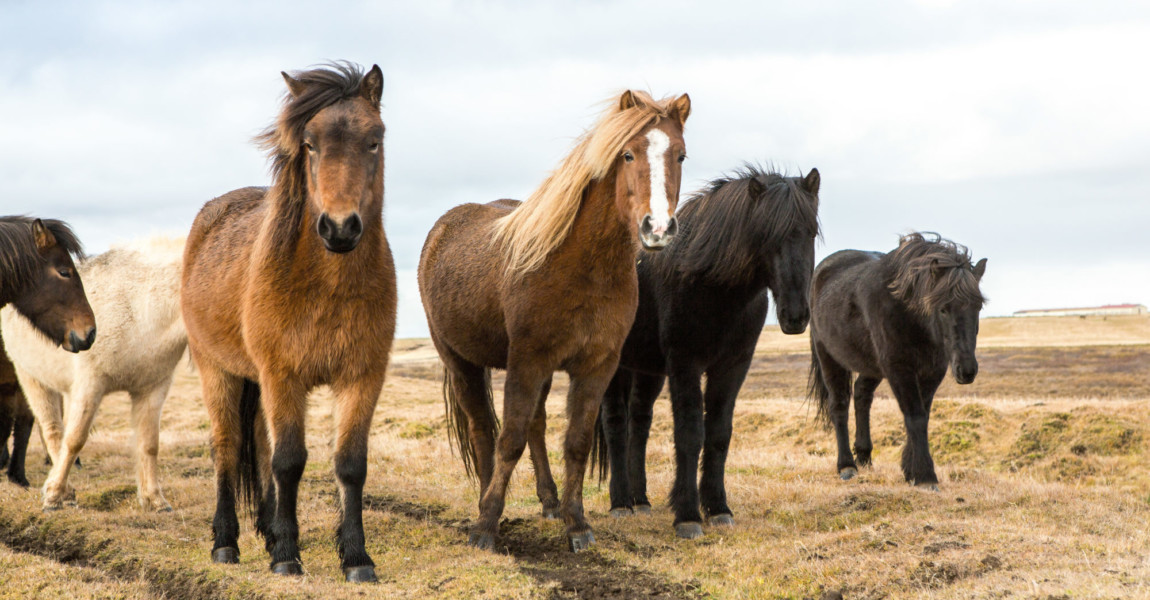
(288, 288)
(903, 316)
(546, 285)
(38, 277)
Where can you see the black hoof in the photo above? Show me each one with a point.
(288, 567)
(927, 487)
(689, 530)
(848, 473)
(721, 520)
(578, 542)
(20, 482)
(225, 555)
(643, 509)
(360, 574)
(621, 511)
(551, 513)
(482, 540)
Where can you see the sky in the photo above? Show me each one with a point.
(1020, 129)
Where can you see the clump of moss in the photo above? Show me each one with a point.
(107, 500)
(1070, 468)
(1036, 443)
(415, 430)
(954, 439)
(1107, 436)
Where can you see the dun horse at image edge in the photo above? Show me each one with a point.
(545, 285)
(903, 316)
(291, 287)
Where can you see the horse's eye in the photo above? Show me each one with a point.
(627, 156)
(65, 273)
(307, 146)
(682, 157)
(373, 147)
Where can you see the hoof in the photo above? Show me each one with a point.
(52, 507)
(689, 530)
(621, 511)
(927, 487)
(482, 540)
(721, 520)
(288, 567)
(551, 513)
(164, 509)
(848, 473)
(360, 574)
(642, 509)
(20, 482)
(226, 556)
(578, 542)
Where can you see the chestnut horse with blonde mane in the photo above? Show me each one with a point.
(546, 285)
(288, 288)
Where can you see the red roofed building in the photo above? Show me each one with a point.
(1093, 311)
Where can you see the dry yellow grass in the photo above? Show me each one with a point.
(1045, 494)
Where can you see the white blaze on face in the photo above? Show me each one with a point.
(658, 143)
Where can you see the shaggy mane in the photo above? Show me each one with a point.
(931, 272)
(20, 259)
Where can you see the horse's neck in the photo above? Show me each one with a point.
(600, 242)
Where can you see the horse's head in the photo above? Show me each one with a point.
(53, 296)
(649, 171)
(341, 147)
(959, 321)
(790, 255)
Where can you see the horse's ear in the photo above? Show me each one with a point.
(372, 86)
(295, 86)
(755, 188)
(980, 269)
(681, 109)
(627, 101)
(42, 236)
(811, 182)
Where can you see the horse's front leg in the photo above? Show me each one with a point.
(583, 399)
(723, 384)
(525, 381)
(917, 464)
(687, 413)
(284, 405)
(355, 405)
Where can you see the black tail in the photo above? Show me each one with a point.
(249, 463)
(599, 457)
(458, 423)
(817, 389)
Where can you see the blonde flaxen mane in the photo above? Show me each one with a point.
(531, 232)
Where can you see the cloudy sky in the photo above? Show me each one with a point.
(1021, 129)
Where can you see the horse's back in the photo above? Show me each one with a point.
(840, 305)
(460, 279)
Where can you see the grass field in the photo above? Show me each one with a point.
(1045, 494)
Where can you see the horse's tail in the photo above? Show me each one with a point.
(459, 425)
(817, 389)
(248, 465)
(599, 457)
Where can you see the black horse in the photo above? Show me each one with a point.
(902, 316)
(702, 304)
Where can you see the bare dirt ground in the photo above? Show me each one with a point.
(1045, 494)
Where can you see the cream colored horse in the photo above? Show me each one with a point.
(134, 291)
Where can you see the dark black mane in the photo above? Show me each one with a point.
(724, 226)
(931, 272)
(19, 257)
(322, 87)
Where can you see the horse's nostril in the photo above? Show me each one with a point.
(353, 227)
(91, 337)
(325, 227)
(672, 227)
(645, 226)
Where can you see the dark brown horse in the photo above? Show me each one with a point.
(288, 288)
(549, 285)
(15, 419)
(903, 316)
(38, 277)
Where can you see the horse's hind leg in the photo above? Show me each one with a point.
(614, 418)
(21, 431)
(469, 388)
(644, 391)
(723, 384)
(146, 407)
(354, 409)
(837, 380)
(7, 408)
(537, 441)
(863, 397)
(221, 392)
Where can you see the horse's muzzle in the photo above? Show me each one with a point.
(76, 343)
(340, 237)
(964, 371)
(653, 237)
